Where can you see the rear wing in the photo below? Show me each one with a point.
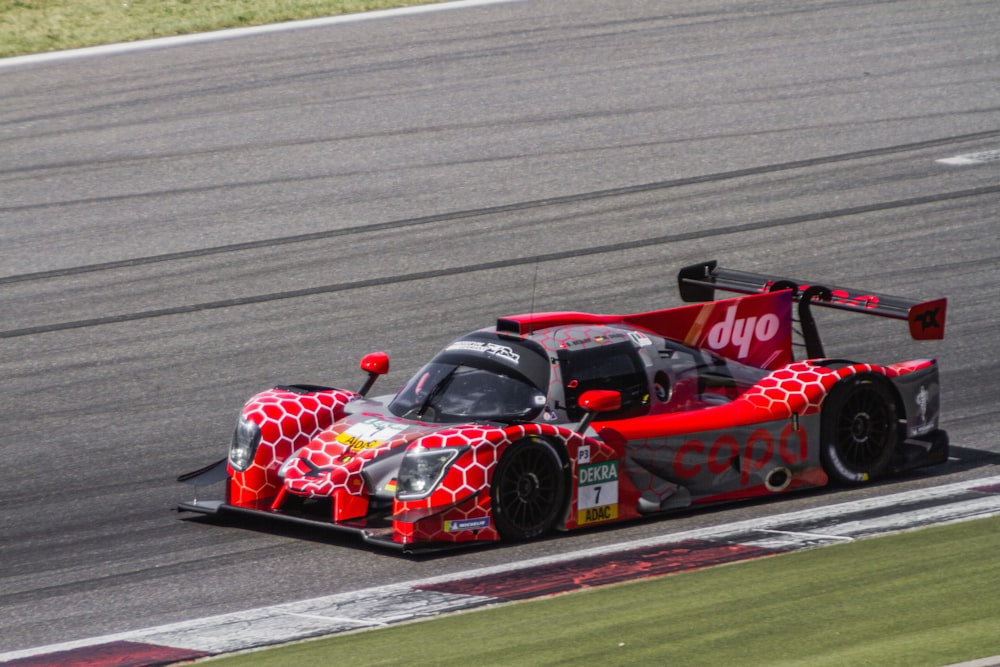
(926, 318)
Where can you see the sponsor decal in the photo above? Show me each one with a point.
(841, 468)
(928, 319)
(477, 523)
(755, 329)
(741, 332)
(923, 400)
(370, 433)
(640, 339)
(314, 471)
(597, 492)
(925, 426)
(596, 514)
(838, 295)
(695, 457)
(482, 347)
(598, 473)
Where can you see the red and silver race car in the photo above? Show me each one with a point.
(564, 420)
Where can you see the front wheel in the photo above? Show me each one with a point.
(528, 491)
(859, 429)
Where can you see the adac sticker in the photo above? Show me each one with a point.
(456, 525)
(595, 514)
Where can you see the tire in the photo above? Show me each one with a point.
(528, 490)
(859, 429)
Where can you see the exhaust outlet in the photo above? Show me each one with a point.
(778, 479)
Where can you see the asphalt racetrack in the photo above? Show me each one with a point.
(182, 227)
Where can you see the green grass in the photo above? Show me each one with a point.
(930, 597)
(35, 26)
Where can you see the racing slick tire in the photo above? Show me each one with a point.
(528, 491)
(859, 429)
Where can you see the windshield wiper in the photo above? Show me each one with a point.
(433, 394)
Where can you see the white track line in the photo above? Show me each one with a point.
(236, 33)
(982, 157)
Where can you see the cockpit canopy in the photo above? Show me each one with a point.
(478, 377)
(487, 376)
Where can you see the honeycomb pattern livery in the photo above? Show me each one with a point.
(333, 468)
(797, 388)
(800, 387)
(465, 489)
(287, 420)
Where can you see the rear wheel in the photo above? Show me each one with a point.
(859, 429)
(528, 491)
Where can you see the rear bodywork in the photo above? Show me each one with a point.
(621, 416)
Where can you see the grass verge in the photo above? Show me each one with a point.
(36, 26)
(930, 597)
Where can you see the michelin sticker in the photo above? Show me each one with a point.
(456, 525)
(597, 492)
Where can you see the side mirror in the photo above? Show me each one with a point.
(375, 364)
(596, 401)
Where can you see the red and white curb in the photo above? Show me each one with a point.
(661, 555)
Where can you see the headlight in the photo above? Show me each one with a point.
(422, 470)
(244, 445)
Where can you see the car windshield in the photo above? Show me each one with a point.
(443, 392)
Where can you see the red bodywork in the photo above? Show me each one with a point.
(331, 457)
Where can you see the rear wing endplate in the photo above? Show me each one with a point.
(926, 318)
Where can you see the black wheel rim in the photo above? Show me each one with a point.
(528, 492)
(863, 430)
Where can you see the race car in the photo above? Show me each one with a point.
(565, 420)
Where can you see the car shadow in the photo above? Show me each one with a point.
(962, 459)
